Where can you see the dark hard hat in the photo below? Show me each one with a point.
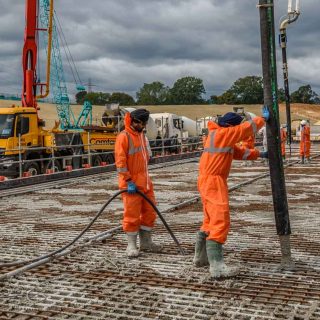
(140, 114)
(230, 119)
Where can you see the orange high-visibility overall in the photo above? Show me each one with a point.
(248, 143)
(283, 138)
(131, 158)
(215, 164)
(305, 143)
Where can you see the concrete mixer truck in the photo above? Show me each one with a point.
(171, 133)
(166, 131)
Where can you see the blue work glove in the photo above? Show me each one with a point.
(265, 113)
(132, 188)
(264, 154)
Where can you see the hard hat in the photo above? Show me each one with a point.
(303, 122)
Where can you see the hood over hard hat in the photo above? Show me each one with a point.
(140, 114)
(230, 119)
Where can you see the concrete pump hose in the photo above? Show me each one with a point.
(53, 253)
(163, 221)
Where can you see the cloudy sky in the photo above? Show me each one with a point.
(122, 44)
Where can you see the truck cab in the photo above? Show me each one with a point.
(19, 128)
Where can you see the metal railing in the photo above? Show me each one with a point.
(50, 157)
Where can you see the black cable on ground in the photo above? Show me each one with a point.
(163, 221)
(53, 253)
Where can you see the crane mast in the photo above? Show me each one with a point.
(58, 83)
(40, 17)
(30, 55)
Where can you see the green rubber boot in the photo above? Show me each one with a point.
(218, 269)
(200, 255)
(146, 243)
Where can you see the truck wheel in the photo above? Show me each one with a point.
(111, 158)
(96, 161)
(108, 158)
(32, 167)
(57, 166)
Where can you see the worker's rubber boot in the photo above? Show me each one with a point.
(308, 160)
(301, 160)
(218, 269)
(132, 250)
(200, 251)
(146, 243)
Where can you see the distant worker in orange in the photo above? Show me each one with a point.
(215, 163)
(248, 142)
(305, 143)
(283, 138)
(131, 159)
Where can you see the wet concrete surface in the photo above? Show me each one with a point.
(99, 282)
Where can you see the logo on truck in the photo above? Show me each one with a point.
(102, 141)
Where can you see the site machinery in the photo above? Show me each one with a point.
(25, 145)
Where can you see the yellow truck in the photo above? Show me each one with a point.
(25, 146)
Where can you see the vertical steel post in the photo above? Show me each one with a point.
(283, 41)
(291, 17)
(269, 70)
(20, 157)
(181, 134)
(162, 142)
(89, 152)
(53, 159)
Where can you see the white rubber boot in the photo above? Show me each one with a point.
(132, 250)
(146, 243)
(218, 269)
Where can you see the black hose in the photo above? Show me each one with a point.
(53, 253)
(15, 263)
(163, 220)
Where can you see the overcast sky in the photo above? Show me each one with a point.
(122, 44)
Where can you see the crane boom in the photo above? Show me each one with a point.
(58, 83)
(29, 55)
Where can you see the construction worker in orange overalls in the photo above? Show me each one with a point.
(283, 139)
(305, 143)
(131, 159)
(215, 163)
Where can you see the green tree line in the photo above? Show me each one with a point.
(190, 90)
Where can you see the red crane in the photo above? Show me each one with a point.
(29, 55)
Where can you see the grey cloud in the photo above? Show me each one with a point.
(121, 44)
